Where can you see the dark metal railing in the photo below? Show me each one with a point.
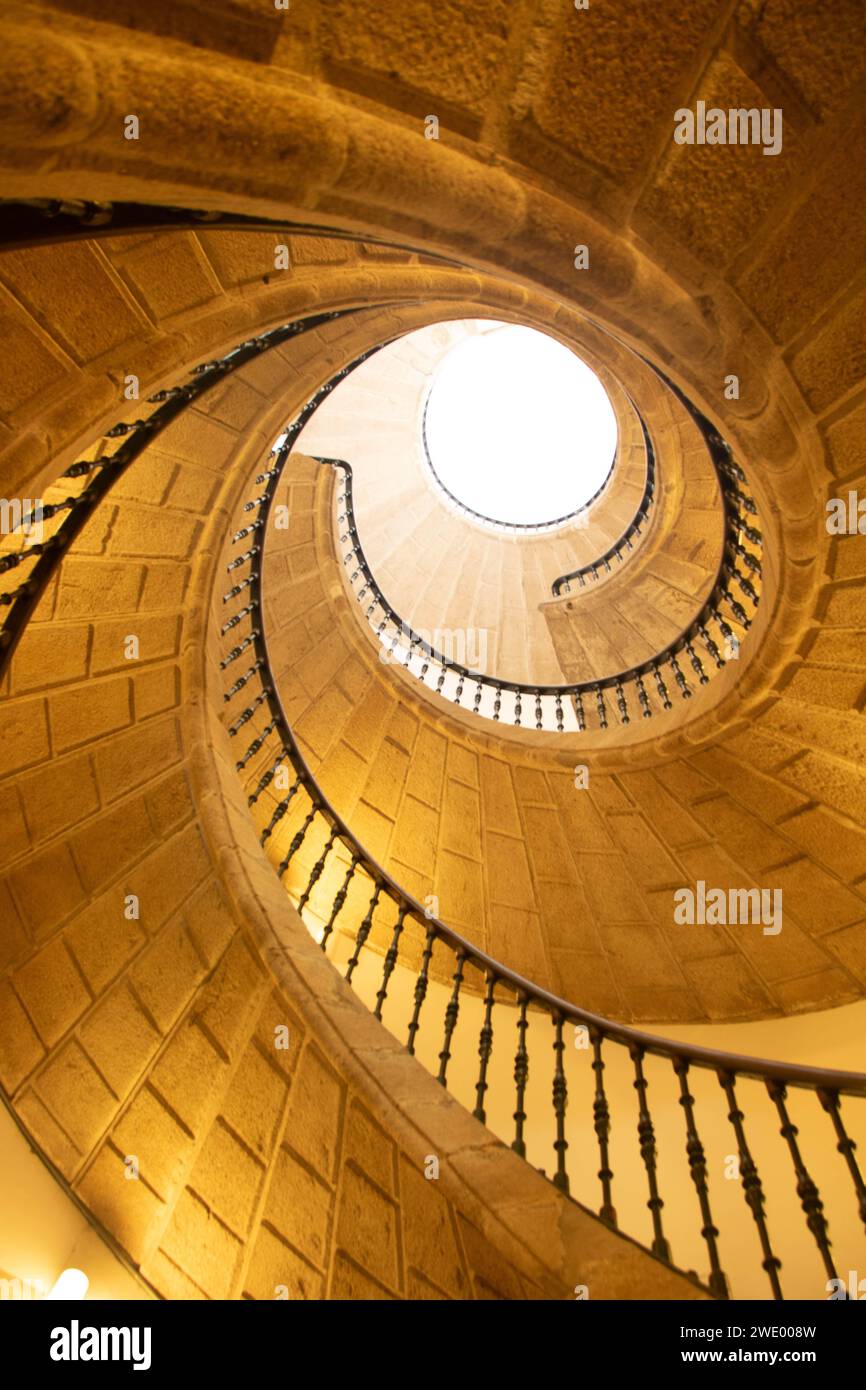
(602, 565)
(325, 867)
(43, 221)
(648, 689)
(71, 501)
(369, 925)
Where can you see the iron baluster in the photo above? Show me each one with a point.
(846, 1146)
(621, 704)
(391, 957)
(560, 1101)
(521, 1077)
(362, 934)
(316, 871)
(679, 677)
(643, 698)
(807, 1189)
(661, 687)
(485, 1047)
(339, 900)
(297, 841)
(578, 710)
(698, 1171)
(279, 811)
(601, 1125)
(602, 708)
(751, 1181)
(421, 987)
(452, 1009)
(646, 1135)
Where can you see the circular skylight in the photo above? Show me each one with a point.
(518, 428)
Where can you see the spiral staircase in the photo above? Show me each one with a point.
(337, 963)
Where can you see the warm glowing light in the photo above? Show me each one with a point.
(71, 1284)
(518, 428)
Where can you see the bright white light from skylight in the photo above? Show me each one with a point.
(518, 428)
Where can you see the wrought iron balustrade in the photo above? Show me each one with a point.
(308, 841)
(645, 690)
(348, 900)
(648, 689)
(602, 565)
(71, 500)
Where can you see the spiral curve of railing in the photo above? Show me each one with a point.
(252, 697)
(718, 628)
(304, 820)
(602, 565)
